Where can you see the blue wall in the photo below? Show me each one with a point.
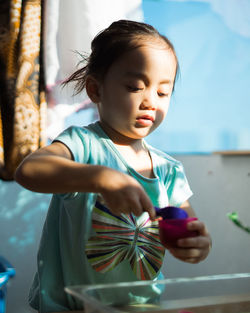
(211, 106)
(22, 214)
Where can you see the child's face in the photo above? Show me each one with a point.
(136, 91)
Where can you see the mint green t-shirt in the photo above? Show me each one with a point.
(84, 243)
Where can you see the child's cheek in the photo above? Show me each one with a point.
(160, 115)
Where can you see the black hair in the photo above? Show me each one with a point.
(120, 37)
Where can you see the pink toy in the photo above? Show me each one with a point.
(173, 226)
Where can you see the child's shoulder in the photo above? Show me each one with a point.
(79, 137)
(83, 142)
(81, 131)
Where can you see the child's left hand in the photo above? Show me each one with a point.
(193, 249)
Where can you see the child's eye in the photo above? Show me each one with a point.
(134, 89)
(162, 94)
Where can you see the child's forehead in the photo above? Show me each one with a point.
(147, 53)
(148, 60)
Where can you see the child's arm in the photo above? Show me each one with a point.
(52, 170)
(193, 249)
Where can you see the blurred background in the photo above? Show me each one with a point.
(209, 113)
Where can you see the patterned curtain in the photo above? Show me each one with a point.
(22, 96)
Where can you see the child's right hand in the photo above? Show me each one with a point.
(123, 194)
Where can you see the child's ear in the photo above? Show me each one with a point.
(92, 89)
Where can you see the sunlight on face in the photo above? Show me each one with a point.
(136, 91)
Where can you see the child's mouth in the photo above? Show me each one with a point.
(145, 120)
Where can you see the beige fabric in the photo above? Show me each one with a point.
(23, 105)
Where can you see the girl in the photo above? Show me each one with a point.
(106, 179)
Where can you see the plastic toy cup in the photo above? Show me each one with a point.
(173, 226)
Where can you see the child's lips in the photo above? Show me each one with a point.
(145, 119)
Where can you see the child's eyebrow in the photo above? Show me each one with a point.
(144, 77)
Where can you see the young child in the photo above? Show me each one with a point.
(106, 179)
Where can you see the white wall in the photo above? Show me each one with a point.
(221, 184)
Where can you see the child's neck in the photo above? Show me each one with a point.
(132, 150)
(138, 157)
(118, 138)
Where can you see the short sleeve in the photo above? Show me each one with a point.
(177, 186)
(77, 140)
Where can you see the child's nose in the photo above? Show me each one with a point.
(149, 102)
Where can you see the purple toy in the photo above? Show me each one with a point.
(173, 226)
(171, 212)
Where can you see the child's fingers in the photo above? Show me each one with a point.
(187, 255)
(148, 207)
(193, 249)
(198, 226)
(204, 240)
(198, 242)
(138, 201)
(191, 255)
(151, 212)
(136, 207)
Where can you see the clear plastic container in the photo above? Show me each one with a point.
(228, 293)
